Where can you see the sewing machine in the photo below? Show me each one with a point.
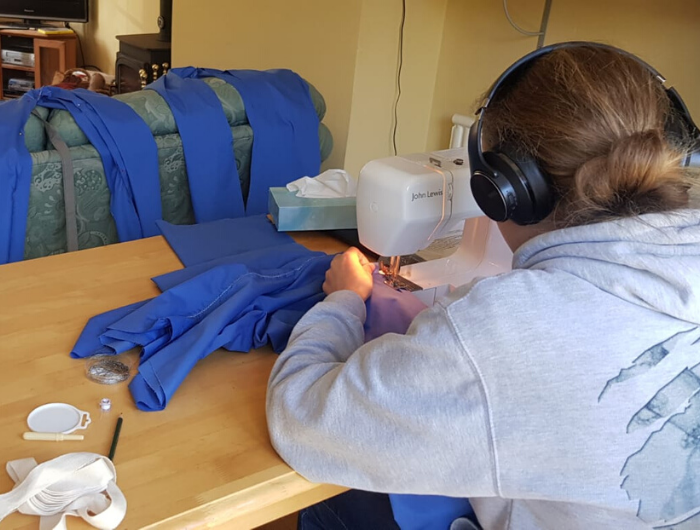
(405, 203)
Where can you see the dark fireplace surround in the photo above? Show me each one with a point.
(143, 58)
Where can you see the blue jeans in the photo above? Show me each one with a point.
(356, 510)
(352, 510)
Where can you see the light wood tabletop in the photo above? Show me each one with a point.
(205, 461)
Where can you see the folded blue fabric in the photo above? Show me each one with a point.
(125, 145)
(232, 306)
(207, 143)
(91, 339)
(268, 260)
(285, 127)
(196, 244)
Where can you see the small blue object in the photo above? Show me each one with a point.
(291, 213)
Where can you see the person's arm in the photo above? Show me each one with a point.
(400, 414)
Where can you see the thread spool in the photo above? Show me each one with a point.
(105, 404)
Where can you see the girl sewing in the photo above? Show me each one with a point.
(561, 395)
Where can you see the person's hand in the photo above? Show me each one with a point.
(350, 271)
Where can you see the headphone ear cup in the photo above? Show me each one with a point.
(510, 183)
(493, 193)
(532, 187)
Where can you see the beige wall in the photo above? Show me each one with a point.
(315, 38)
(109, 18)
(374, 91)
(478, 43)
(666, 34)
(346, 48)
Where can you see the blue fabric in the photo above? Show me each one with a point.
(125, 145)
(207, 142)
(285, 127)
(15, 178)
(196, 244)
(429, 512)
(268, 259)
(91, 340)
(241, 301)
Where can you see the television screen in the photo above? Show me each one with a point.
(63, 10)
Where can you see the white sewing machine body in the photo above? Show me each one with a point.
(404, 203)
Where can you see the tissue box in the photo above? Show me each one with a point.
(291, 213)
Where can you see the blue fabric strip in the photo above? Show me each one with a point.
(15, 177)
(285, 127)
(207, 142)
(125, 145)
(132, 172)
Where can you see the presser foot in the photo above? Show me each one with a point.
(400, 283)
(389, 267)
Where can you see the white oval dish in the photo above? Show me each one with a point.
(57, 417)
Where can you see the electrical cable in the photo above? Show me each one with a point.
(518, 28)
(398, 75)
(80, 46)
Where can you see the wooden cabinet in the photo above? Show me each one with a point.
(52, 53)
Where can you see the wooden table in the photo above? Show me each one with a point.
(206, 460)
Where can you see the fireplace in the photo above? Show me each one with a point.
(143, 58)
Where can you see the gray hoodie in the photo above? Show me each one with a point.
(562, 395)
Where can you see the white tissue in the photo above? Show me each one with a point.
(333, 183)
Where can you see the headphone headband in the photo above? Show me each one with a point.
(506, 188)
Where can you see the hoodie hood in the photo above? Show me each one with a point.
(652, 260)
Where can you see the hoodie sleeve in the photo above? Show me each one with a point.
(400, 414)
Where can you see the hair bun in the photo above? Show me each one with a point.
(639, 172)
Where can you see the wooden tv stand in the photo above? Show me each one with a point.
(52, 53)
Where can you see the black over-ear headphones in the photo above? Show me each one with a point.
(508, 183)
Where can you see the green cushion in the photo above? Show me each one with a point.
(34, 133)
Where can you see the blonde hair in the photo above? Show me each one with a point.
(595, 120)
